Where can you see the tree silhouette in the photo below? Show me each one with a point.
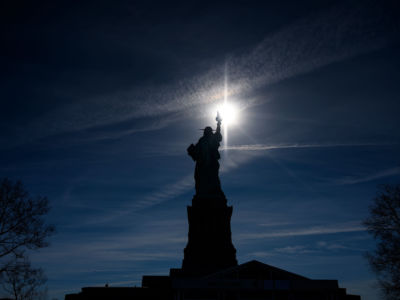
(24, 282)
(22, 224)
(384, 224)
(22, 227)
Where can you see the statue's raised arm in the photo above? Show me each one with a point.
(218, 134)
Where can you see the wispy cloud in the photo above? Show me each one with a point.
(314, 230)
(129, 209)
(314, 248)
(233, 161)
(166, 192)
(369, 177)
(273, 224)
(241, 154)
(185, 184)
(299, 249)
(341, 32)
(134, 246)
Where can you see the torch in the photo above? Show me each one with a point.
(218, 118)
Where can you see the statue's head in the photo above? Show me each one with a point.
(207, 131)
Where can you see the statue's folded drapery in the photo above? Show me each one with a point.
(206, 155)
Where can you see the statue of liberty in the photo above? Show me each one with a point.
(205, 154)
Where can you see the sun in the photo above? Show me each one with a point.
(228, 113)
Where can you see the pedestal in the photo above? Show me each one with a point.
(209, 248)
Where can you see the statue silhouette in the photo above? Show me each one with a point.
(205, 154)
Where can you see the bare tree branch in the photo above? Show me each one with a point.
(22, 281)
(384, 224)
(22, 224)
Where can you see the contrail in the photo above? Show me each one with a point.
(263, 147)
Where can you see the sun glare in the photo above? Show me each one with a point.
(228, 113)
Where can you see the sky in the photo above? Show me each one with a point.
(100, 99)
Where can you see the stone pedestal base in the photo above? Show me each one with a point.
(209, 248)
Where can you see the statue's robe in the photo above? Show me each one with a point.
(206, 155)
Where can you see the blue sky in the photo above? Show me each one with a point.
(101, 99)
